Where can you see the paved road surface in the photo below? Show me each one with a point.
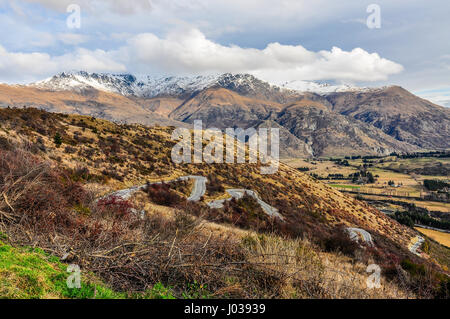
(414, 247)
(199, 188)
(125, 193)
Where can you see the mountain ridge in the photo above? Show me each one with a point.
(153, 86)
(371, 121)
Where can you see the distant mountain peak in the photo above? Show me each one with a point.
(152, 86)
(319, 88)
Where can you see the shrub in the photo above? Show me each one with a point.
(112, 174)
(340, 241)
(57, 139)
(115, 206)
(36, 195)
(412, 268)
(214, 185)
(5, 144)
(435, 185)
(161, 194)
(425, 281)
(69, 150)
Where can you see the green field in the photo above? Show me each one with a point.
(344, 186)
(403, 172)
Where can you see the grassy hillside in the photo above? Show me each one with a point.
(121, 155)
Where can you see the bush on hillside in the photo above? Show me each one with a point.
(340, 241)
(161, 194)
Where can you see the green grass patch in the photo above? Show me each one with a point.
(344, 186)
(27, 273)
(158, 291)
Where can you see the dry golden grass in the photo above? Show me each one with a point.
(301, 269)
(430, 205)
(440, 237)
(304, 270)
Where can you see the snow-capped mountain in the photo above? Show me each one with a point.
(148, 86)
(319, 88)
(125, 84)
(327, 117)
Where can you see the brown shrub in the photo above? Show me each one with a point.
(161, 194)
(340, 241)
(214, 186)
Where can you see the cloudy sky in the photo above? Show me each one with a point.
(320, 40)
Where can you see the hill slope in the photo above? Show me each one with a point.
(89, 101)
(398, 113)
(133, 154)
(129, 241)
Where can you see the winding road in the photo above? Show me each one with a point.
(199, 188)
(125, 193)
(198, 191)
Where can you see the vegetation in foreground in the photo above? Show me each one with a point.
(30, 273)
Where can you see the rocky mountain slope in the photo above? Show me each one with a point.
(398, 113)
(222, 108)
(331, 134)
(308, 128)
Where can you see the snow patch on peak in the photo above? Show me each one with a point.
(174, 85)
(150, 86)
(315, 87)
(116, 83)
(126, 84)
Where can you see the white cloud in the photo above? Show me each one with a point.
(42, 39)
(72, 38)
(18, 66)
(437, 96)
(98, 6)
(46, 39)
(120, 36)
(321, 24)
(191, 52)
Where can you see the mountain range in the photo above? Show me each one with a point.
(314, 119)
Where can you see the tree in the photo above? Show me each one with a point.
(355, 177)
(57, 139)
(434, 185)
(370, 178)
